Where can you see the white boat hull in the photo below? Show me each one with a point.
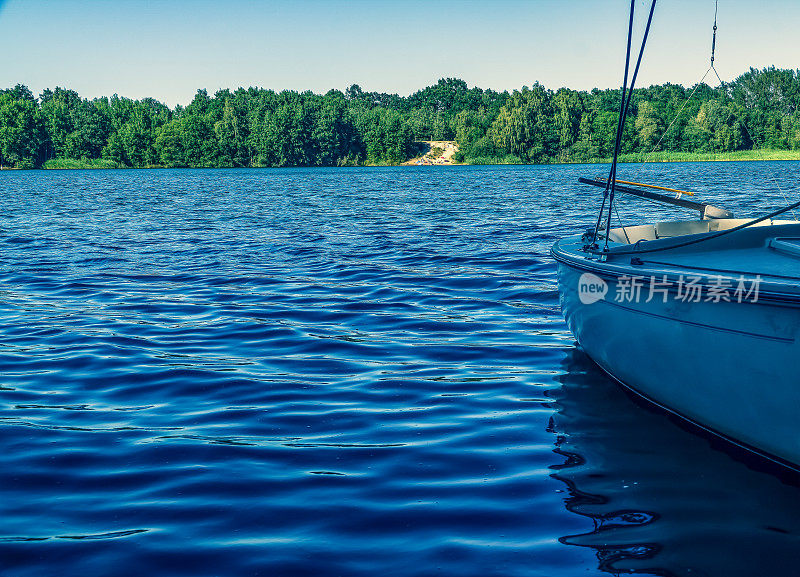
(732, 368)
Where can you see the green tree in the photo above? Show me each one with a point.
(648, 126)
(22, 129)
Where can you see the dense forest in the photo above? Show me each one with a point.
(255, 127)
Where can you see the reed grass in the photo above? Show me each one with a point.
(83, 163)
(737, 155)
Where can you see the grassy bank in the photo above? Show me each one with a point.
(712, 156)
(739, 155)
(63, 163)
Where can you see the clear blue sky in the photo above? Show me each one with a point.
(168, 49)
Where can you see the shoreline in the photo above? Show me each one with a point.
(658, 158)
(409, 165)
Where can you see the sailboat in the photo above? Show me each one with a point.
(700, 316)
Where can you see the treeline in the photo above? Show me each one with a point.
(256, 127)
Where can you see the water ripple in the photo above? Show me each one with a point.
(336, 372)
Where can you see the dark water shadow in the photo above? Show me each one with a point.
(664, 499)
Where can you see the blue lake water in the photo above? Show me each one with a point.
(345, 372)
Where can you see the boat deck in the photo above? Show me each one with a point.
(769, 253)
(764, 261)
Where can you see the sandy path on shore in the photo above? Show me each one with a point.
(448, 147)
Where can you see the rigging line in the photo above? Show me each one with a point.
(644, 157)
(620, 120)
(763, 158)
(624, 112)
(718, 78)
(710, 236)
(756, 147)
(627, 106)
(677, 116)
(619, 218)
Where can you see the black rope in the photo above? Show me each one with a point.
(637, 247)
(625, 114)
(620, 120)
(627, 96)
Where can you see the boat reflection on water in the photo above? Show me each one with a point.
(666, 500)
